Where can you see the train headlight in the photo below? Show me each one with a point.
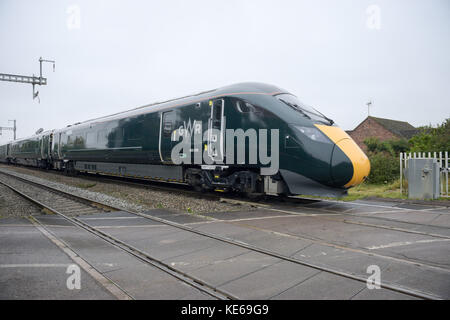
(313, 134)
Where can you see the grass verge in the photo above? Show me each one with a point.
(366, 190)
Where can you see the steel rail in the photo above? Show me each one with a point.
(266, 206)
(137, 253)
(141, 183)
(392, 287)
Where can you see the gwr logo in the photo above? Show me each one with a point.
(187, 129)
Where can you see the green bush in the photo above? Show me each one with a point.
(399, 146)
(393, 147)
(372, 144)
(383, 155)
(431, 139)
(384, 168)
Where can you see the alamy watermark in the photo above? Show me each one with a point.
(74, 280)
(74, 17)
(374, 280)
(209, 146)
(373, 21)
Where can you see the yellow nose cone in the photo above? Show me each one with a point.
(360, 162)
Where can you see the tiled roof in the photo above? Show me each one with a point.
(399, 128)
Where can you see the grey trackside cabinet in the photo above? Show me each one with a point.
(423, 179)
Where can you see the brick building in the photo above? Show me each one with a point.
(383, 129)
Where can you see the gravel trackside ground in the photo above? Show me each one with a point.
(124, 196)
(13, 206)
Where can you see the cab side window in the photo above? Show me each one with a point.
(246, 107)
(168, 123)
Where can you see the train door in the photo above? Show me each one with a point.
(216, 131)
(46, 146)
(56, 149)
(41, 146)
(167, 126)
(50, 143)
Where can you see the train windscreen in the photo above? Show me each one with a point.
(307, 111)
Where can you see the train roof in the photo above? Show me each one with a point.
(34, 136)
(234, 89)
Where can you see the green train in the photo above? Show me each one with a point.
(220, 140)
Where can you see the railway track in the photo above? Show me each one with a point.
(265, 202)
(69, 206)
(80, 203)
(287, 205)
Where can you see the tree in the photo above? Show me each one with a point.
(431, 139)
(384, 155)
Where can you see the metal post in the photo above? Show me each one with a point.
(40, 81)
(401, 172)
(368, 108)
(14, 128)
(440, 173)
(40, 68)
(446, 172)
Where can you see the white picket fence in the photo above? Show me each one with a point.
(442, 159)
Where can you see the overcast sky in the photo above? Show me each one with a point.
(334, 55)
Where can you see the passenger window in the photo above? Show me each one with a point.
(69, 140)
(80, 141)
(115, 134)
(245, 107)
(134, 132)
(91, 138)
(101, 136)
(167, 127)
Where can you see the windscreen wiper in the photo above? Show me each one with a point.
(296, 107)
(331, 121)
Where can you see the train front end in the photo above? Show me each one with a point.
(319, 158)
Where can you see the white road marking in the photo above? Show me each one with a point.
(405, 243)
(377, 205)
(259, 218)
(110, 218)
(136, 226)
(369, 204)
(45, 265)
(35, 265)
(303, 214)
(16, 225)
(380, 212)
(436, 208)
(24, 232)
(108, 284)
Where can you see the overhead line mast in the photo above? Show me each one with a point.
(13, 128)
(40, 81)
